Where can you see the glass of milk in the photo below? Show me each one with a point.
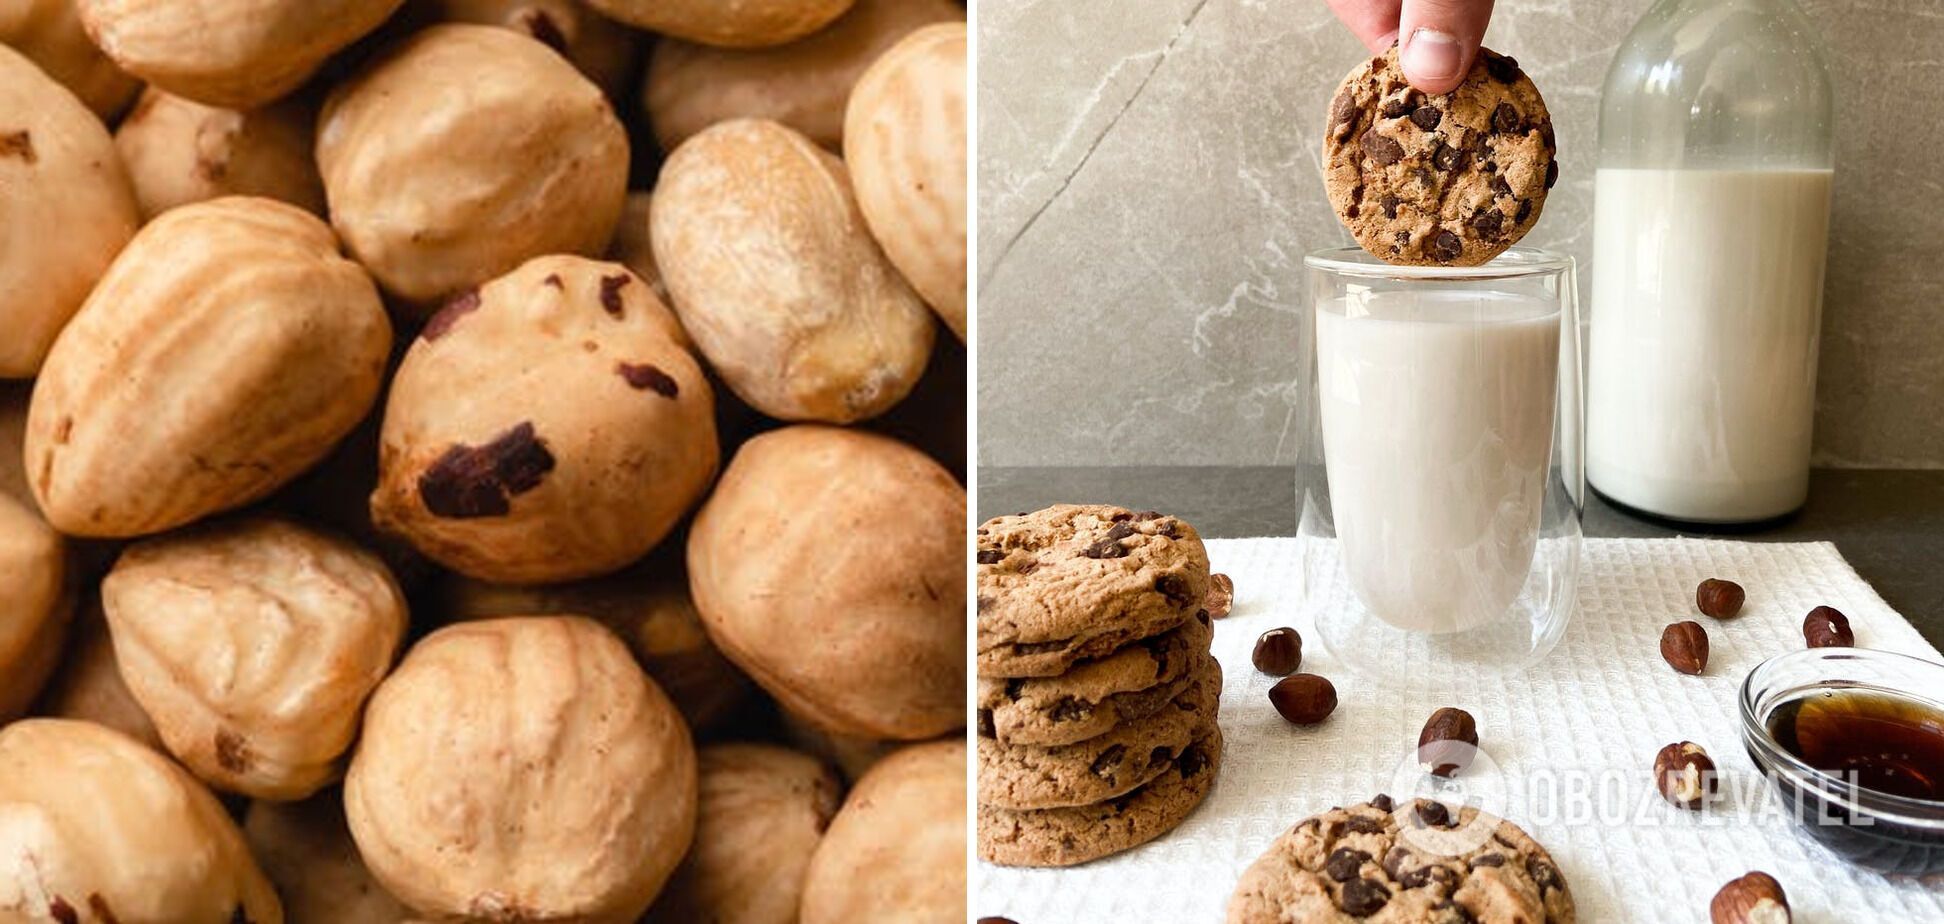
(1441, 479)
(1711, 213)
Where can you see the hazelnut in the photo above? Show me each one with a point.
(1221, 596)
(276, 345)
(905, 142)
(1827, 627)
(522, 769)
(896, 850)
(180, 151)
(1755, 898)
(1304, 699)
(777, 278)
(804, 84)
(238, 55)
(1448, 742)
(601, 48)
(33, 563)
(547, 427)
(1684, 645)
(730, 25)
(462, 153)
(262, 707)
(1278, 652)
(307, 852)
(66, 209)
(1685, 775)
(760, 813)
(49, 33)
(648, 605)
(830, 565)
(100, 828)
(1719, 599)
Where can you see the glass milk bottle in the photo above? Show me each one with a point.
(1711, 216)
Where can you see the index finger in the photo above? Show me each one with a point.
(1373, 22)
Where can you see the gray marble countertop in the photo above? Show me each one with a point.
(1888, 524)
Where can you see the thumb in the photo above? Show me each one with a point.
(1438, 40)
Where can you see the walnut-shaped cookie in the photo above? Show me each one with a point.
(546, 427)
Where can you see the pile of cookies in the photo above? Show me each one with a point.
(1097, 692)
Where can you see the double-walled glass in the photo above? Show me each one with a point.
(1442, 483)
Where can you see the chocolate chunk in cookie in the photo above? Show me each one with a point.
(1458, 176)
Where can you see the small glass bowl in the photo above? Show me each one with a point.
(1877, 830)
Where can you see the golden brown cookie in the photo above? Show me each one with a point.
(1421, 863)
(1073, 582)
(1446, 180)
(1095, 695)
(1019, 776)
(1075, 835)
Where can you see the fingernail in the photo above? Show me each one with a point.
(1431, 55)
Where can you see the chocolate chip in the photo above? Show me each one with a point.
(232, 752)
(1117, 517)
(1525, 208)
(1175, 589)
(1546, 134)
(1358, 824)
(611, 287)
(1427, 117)
(985, 724)
(1381, 802)
(648, 376)
(1147, 515)
(1552, 173)
(18, 144)
(1108, 547)
(991, 556)
(1505, 119)
(1014, 687)
(61, 911)
(1425, 875)
(1344, 863)
(1109, 761)
(1069, 709)
(1500, 187)
(1396, 108)
(1351, 211)
(1487, 221)
(1394, 862)
(457, 307)
(1403, 238)
(1543, 873)
(1192, 761)
(99, 906)
(1390, 204)
(1458, 912)
(1362, 897)
(1385, 151)
(1444, 157)
(1487, 859)
(1343, 109)
(468, 481)
(1503, 68)
(1446, 247)
(1434, 814)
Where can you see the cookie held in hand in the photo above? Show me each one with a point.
(1451, 179)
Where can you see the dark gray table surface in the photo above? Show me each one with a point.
(1888, 524)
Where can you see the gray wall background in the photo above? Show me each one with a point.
(1148, 186)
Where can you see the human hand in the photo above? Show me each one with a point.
(1438, 38)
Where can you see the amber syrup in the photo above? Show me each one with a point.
(1866, 740)
(1880, 741)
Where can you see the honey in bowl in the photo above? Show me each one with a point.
(1876, 740)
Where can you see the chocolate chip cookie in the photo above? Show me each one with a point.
(1421, 863)
(1013, 776)
(1446, 180)
(1074, 582)
(1095, 695)
(1070, 836)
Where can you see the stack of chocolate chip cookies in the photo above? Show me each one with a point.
(1097, 692)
